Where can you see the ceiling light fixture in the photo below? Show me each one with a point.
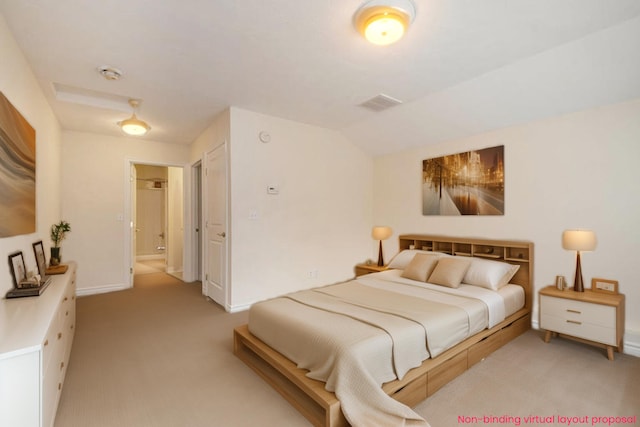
(133, 125)
(384, 22)
(110, 73)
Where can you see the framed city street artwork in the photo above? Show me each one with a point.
(469, 183)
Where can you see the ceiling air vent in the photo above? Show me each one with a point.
(380, 102)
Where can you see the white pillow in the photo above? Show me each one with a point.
(403, 258)
(489, 274)
(420, 267)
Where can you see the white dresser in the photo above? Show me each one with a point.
(588, 316)
(36, 334)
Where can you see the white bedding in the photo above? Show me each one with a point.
(349, 337)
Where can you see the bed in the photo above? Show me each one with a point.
(390, 351)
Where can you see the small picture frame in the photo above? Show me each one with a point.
(605, 286)
(18, 270)
(41, 260)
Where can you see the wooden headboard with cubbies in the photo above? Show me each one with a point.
(511, 251)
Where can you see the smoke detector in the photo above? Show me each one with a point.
(110, 73)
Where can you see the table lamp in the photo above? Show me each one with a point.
(578, 240)
(381, 233)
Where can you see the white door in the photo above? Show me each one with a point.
(215, 280)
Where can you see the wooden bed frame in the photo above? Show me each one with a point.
(322, 408)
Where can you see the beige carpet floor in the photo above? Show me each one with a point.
(160, 355)
(150, 266)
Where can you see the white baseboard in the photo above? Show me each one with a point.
(630, 342)
(101, 289)
(237, 308)
(150, 257)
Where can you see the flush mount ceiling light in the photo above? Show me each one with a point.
(110, 73)
(133, 125)
(384, 22)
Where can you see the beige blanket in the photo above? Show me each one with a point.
(355, 338)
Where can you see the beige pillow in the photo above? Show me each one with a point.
(450, 271)
(420, 267)
(402, 259)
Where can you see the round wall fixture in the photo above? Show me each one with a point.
(384, 22)
(264, 137)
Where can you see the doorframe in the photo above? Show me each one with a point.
(129, 262)
(195, 249)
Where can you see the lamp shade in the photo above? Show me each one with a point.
(134, 126)
(579, 240)
(381, 233)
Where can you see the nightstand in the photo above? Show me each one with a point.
(591, 317)
(362, 269)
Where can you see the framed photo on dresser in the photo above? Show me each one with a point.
(18, 270)
(41, 260)
(605, 286)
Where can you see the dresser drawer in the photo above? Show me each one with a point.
(578, 311)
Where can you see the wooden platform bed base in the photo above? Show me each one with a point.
(322, 408)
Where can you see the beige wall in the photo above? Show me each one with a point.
(574, 171)
(175, 236)
(19, 85)
(94, 201)
(319, 222)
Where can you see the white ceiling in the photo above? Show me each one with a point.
(465, 66)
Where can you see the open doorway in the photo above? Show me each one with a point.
(151, 219)
(157, 239)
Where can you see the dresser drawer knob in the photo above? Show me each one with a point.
(59, 335)
(46, 343)
(574, 311)
(574, 322)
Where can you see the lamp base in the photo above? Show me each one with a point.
(578, 285)
(380, 258)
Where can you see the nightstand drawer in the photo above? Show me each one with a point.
(578, 311)
(580, 329)
(588, 316)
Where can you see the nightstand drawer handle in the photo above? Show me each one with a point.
(573, 321)
(574, 311)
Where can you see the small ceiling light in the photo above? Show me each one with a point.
(384, 22)
(133, 125)
(110, 73)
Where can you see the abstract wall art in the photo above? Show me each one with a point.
(17, 172)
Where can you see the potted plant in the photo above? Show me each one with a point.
(58, 233)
